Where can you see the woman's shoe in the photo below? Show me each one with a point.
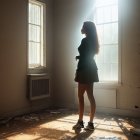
(78, 125)
(90, 126)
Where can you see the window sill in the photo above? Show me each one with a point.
(37, 70)
(107, 85)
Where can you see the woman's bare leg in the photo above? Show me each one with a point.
(81, 90)
(89, 89)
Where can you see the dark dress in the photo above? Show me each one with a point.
(86, 72)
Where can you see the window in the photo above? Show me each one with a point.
(36, 34)
(106, 19)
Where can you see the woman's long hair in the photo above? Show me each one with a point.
(90, 30)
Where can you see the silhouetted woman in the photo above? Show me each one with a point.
(86, 73)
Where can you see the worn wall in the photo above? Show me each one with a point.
(13, 57)
(64, 21)
(68, 19)
(69, 16)
(129, 91)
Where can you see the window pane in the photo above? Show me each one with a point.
(115, 33)
(107, 34)
(107, 54)
(105, 2)
(100, 31)
(114, 54)
(99, 57)
(107, 14)
(114, 13)
(34, 53)
(101, 70)
(34, 33)
(34, 14)
(107, 28)
(107, 71)
(110, 33)
(114, 72)
(100, 15)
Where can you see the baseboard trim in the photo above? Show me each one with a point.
(23, 111)
(121, 112)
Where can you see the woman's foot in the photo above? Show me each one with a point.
(90, 126)
(78, 125)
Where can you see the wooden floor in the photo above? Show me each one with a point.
(57, 125)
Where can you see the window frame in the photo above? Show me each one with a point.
(113, 84)
(40, 69)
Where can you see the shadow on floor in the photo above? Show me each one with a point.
(45, 126)
(24, 124)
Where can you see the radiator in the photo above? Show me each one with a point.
(39, 86)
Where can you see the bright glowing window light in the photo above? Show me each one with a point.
(36, 42)
(106, 19)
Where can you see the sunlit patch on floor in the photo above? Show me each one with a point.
(58, 126)
(23, 137)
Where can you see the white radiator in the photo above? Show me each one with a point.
(39, 86)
